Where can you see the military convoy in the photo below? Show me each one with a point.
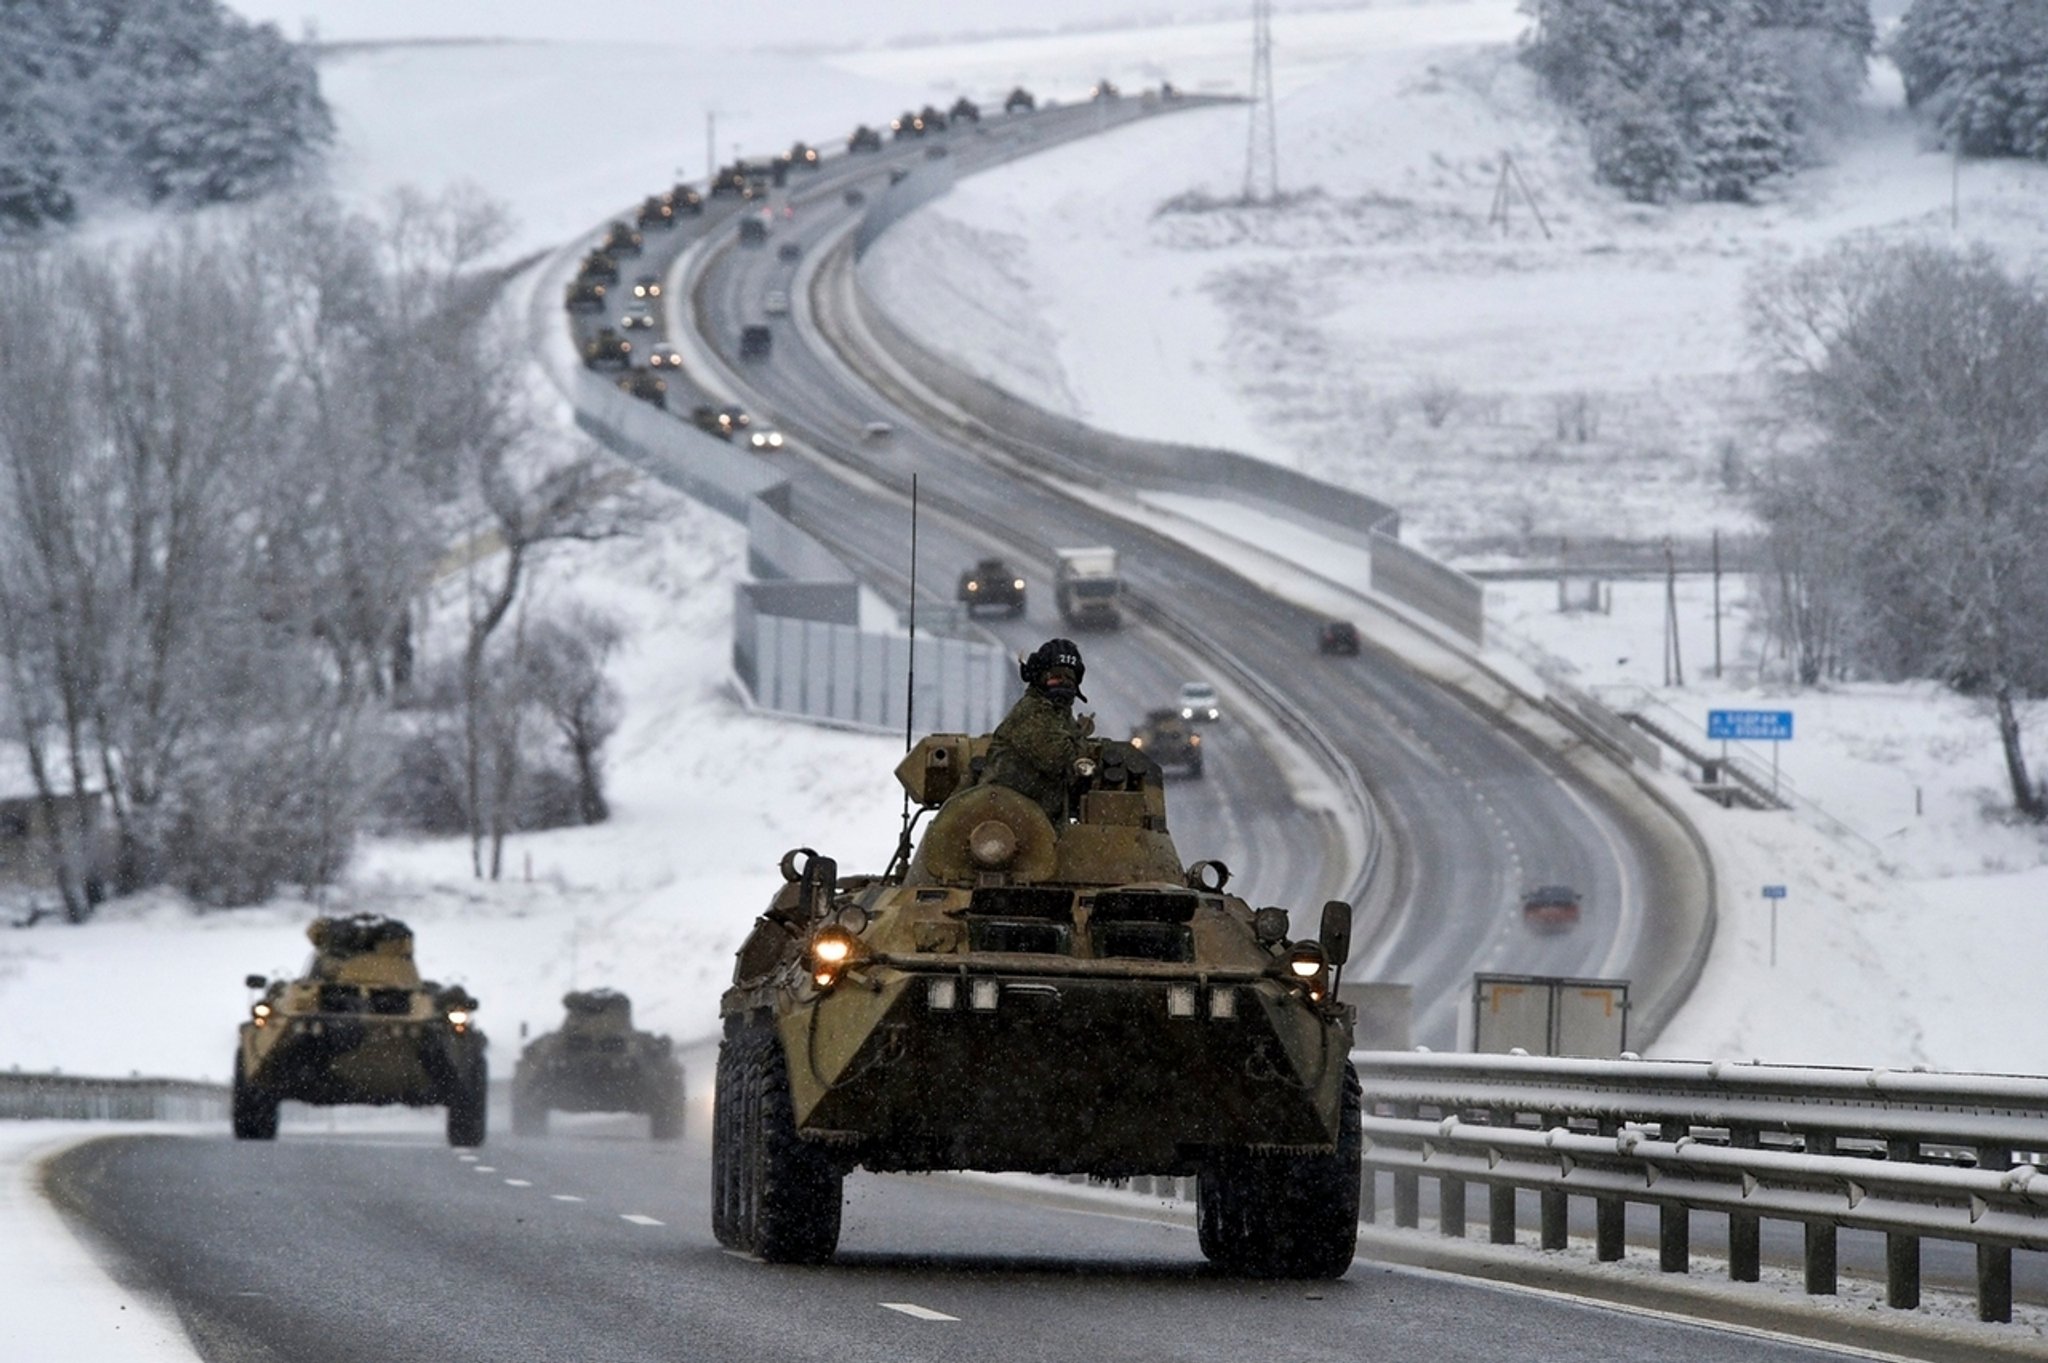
(584, 295)
(620, 240)
(1170, 740)
(608, 350)
(864, 138)
(645, 385)
(597, 1061)
(1022, 994)
(360, 1026)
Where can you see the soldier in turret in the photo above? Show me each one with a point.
(1034, 749)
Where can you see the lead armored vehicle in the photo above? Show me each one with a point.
(991, 583)
(598, 1062)
(360, 1026)
(1020, 993)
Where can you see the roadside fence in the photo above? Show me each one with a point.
(77, 1098)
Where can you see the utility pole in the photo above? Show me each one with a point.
(710, 144)
(1674, 665)
(1262, 150)
(1717, 605)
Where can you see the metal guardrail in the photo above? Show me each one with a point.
(1912, 1155)
(77, 1098)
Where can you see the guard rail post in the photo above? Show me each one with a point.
(1745, 1229)
(1994, 1262)
(1500, 1197)
(1822, 1257)
(1368, 1194)
(1554, 1229)
(1674, 1221)
(1902, 1252)
(1610, 1213)
(1407, 1187)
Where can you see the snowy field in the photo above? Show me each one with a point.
(1918, 905)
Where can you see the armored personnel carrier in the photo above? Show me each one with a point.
(360, 1026)
(598, 1062)
(991, 582)
(583, 295)
(645, 385)
(1170, 741)
(1020, 993)
(601, 266)
(657, 210)
(620, 240)
(864, 138)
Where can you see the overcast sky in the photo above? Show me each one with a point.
(750, 23)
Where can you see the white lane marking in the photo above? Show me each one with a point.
(486, 1169)
(913, 1309)
(467, 1159)
(637, 1219)
(738, 1254)
(518, 1183)
(565, 1197)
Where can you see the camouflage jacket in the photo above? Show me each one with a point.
(1033, 751)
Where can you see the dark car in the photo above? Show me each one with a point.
(723, 422)
(854, 198)
(756, 340)
(992, 583)
(1021, 101)
(753, 232)
(647, 286)
(790, 250)
(1105, 89)
(1551, 908)
(864, 138)
(1170, 741)
(1338, 637)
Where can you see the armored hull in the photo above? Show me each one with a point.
(1020, 995)
(598, 1062)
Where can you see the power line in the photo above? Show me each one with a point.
(1262, 151)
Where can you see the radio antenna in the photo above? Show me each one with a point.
(909, 681)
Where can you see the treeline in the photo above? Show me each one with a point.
(1703, 98)
(174, 102)
(234, 465)
(1979, 69)
(1910, 538)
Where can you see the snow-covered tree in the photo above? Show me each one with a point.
(1924, 374)
(1979, 69)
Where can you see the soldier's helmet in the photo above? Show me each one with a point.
(1052, 656)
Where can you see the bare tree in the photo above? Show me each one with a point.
(1924, 373)
(566, 661)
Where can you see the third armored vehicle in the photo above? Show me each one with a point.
(360, 1026)
(598, 1062)
(991, 583)
(1053, 996)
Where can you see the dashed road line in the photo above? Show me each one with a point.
(637, 1219)
(467, 1159)
(518, 1183)
(914, 1310)
(486, 1169)
(565, 1197)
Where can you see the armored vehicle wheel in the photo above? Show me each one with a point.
(252, 1111)
(529, 1113)
(1196, 769)
(466, 1114)
(665, 1121)
(1285, 1216)
(788, 1194)
(726, 1224)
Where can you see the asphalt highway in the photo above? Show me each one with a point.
(596, 1244)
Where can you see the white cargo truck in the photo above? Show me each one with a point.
(1086, 587)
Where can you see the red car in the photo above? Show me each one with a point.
(1551, 908)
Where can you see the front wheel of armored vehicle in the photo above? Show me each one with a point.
(665, 1120)
(1285, 1216)
(529, 1112)
(726, 1224)
(786, 1193)
(466, 1106)
(252, 1111)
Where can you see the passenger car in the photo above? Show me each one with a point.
(1198, 702)
(1339, 637)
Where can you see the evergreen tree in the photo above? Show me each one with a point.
(1976, 67)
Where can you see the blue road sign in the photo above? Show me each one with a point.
(1750, 726)
(1774, 892)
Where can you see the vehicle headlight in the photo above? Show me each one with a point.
(1310, 969)
(832, 950)
(459, 1016)
(1187, 712)
(974, 586)
(260, 1014)
(1018, 584)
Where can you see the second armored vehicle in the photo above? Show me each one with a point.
(598, 1062)
(1170, 741)
(608, 349)
(645, 385)
(1045, 995)
(360, 1026)
(990, 583)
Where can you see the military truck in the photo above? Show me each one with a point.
(657, 210)
(360, 1026)
(645, 385)
(597, 1061)
(1085, 586)
(620, 240)
(1170, 741)
(1052, 996)
(584, 295)
(686, 200)
(608, 349)
(991, 583)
